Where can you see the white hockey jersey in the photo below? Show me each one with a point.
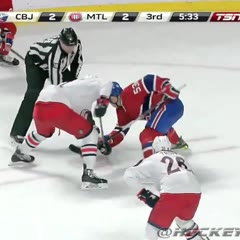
(167, 171)
(78, 95)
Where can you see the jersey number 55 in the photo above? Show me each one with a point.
(136, 88)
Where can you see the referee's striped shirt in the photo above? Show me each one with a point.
(49, 56)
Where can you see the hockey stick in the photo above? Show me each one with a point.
(101, 127)
(76, 149)
(18, 54)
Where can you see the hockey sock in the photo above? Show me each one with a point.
(173, 136)
(89, 155)
(89, 149)
(192, 233)
(32, 140)
(146, 137)
(190, 229)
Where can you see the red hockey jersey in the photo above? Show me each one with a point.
(6, 5)
(139, 97)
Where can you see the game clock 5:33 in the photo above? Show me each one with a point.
(190, 17)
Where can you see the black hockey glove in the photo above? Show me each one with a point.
(85, 113)
(148, 197)
(104, 147)
(101, 107)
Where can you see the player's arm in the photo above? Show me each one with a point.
(77, 62)
(139, 176)
(154, 83)
(121, 129)
(40, 52)
(117, 135)
(103, 101)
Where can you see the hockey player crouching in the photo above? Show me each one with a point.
(67, 107)
(179, 190)
(152, 94)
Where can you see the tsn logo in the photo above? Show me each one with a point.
(225, 17)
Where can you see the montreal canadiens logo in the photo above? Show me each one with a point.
(75, 17)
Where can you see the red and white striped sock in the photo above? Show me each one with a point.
(192, 233)
(32, 140)
(89, 155)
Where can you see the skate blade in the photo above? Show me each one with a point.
(92, 186)
(21, 164)
(185, 147)
(8, 65)
(184, 152)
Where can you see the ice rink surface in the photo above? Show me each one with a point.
(46, 202)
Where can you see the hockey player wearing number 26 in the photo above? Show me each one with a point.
(179, 189)
(50, 59)
(152, 94)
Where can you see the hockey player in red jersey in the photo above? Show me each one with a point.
(7, 34)
(153, 93)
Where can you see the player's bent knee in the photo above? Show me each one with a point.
(184, 224)
(84, 132)
(90, 136)
(44, 130)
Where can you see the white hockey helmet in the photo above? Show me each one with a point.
(89, 77)
(161, 143)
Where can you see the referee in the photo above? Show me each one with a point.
(58, 59)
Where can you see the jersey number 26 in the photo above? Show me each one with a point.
(175, 165)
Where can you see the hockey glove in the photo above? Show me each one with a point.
(101, 107)
(104, 148)
(85, 113)
(148, 197)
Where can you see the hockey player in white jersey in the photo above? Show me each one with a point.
(68, 107)
(179, 189)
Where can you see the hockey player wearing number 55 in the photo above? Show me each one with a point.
(68, 107)
(154, 95)
(50, 59)
(179, 189)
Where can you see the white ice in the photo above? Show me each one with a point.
(46, 203)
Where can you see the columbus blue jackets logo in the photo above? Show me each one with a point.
(3, 17)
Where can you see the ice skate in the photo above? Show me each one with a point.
(18, 156)
(16, 140)
(181, 144)
(8, 60)
(91, 181)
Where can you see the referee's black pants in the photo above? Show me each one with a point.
(36, 78)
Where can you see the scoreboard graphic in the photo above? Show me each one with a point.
(78, 17)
